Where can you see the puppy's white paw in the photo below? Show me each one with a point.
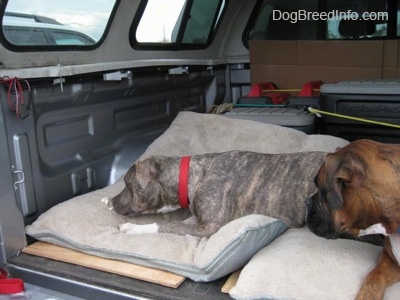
(130, 228)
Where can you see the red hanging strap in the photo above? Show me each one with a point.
(183, 182)
(3, 273)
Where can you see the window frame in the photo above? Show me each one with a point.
(392, 23)
(173, 46)
(48, 48)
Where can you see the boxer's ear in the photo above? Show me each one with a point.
(333, 184)
(350, 173)
(334, 195)
(351, 170)
(145, 171)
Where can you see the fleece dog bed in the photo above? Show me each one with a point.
(301, 265)
(87, 224)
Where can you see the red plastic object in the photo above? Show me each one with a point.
(309, 88)
(3, 273)
(257, 89)
(276, 97)
(11, 286)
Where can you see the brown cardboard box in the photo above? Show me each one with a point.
(340, 54)
(290, 64)
(273, 52)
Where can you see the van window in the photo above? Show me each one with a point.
(324, 20)
(55, 23)
(176, 23)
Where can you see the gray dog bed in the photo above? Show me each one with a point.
(87, 224)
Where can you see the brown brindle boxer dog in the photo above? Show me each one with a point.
(360, 194)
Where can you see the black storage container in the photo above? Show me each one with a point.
(284, 116)
(377, 100)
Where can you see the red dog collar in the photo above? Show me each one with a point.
(183, 182)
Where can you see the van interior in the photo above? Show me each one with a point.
(88, 86)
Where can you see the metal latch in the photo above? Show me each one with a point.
(117, 76)
(178, 70)
(20, 174)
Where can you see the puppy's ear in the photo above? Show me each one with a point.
(145, 171)
(345, 170)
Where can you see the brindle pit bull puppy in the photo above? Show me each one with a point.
(360, 194)
(221, 187)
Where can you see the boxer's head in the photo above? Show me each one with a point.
(358, 187)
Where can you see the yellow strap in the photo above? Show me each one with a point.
(317, 111)
(287, 90)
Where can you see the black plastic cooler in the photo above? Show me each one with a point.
(377, 100)
(284, 116)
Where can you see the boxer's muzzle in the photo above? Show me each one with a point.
(319, 221)
(318, 217)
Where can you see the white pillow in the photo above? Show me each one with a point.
(301, 265)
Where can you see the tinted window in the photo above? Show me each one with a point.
(52, 23)
(26, 36)
(71, 38)
(176, 23)
(328, 19)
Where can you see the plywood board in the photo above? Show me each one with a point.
(103, 264)
(231, 282)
